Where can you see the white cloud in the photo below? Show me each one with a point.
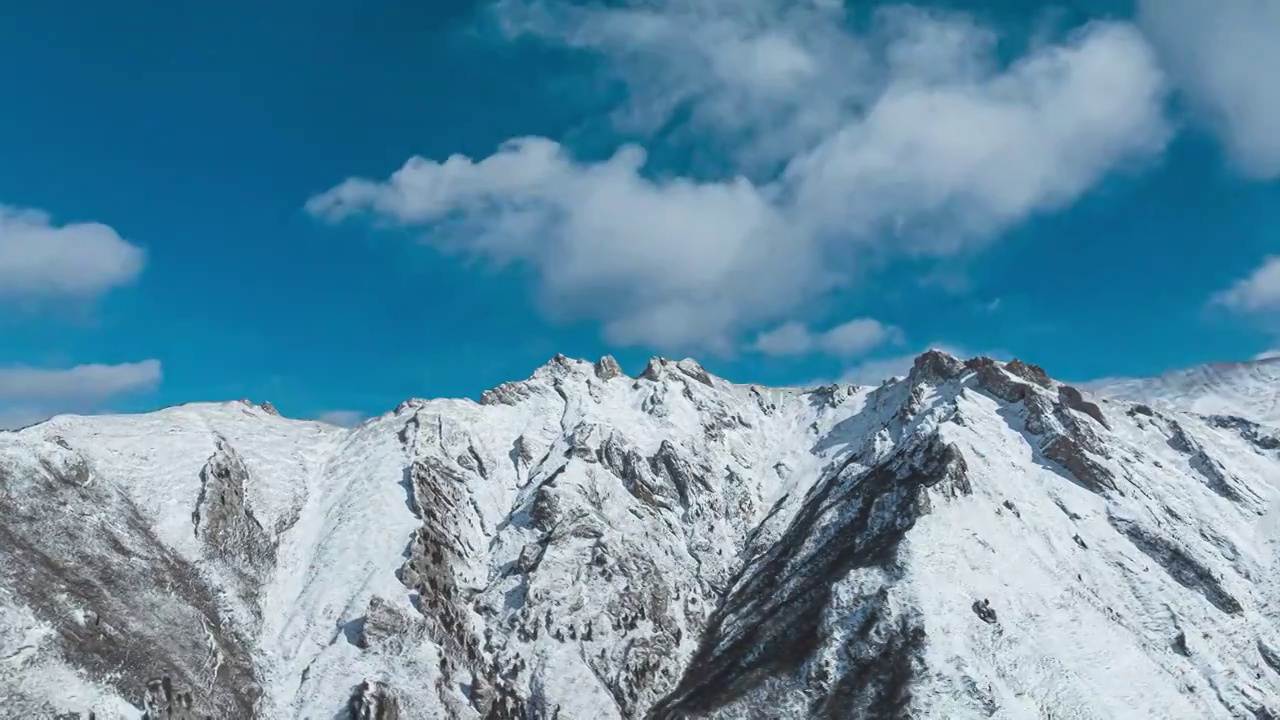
(852, 338)
(41, 259)
(342, 418)
(30, 394)
(1225, 54)
(769, 75)
(672, 262)
(913, 139)
(1258, 292)
(936, 164)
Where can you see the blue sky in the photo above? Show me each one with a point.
(204, 203)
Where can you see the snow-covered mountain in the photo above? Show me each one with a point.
(972, 541)
(1248, 389)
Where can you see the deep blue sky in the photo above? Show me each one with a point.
(198, 131)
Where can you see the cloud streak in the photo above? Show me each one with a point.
(41, 259)
(342, 418)
(30, 394)
(849, 339)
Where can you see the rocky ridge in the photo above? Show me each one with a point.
(972, 540)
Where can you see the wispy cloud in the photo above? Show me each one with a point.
(1258, 292)
(342, 418)
(912, 139)
(31, 394)
(39, 258)
(1224, 54)
(848, 339)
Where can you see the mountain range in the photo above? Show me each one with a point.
(973, 540)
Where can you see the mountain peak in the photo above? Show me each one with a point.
(607, 368)
(669, 547)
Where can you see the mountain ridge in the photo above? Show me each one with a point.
(1247, 389)
(582, 543)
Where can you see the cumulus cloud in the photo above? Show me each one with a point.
(1224, 54)
(40, 259)
(30, 394)
(342, 418)
(852, 338)
(1259, 292)
(913, 138)
(673, 262)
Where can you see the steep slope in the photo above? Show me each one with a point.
(1248, 389)
(974, 540)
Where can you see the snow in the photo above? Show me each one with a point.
(602, 611)
(1249, 389)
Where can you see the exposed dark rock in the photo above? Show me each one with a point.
(270, 409)
(1270, 656)
(831, 395)
(131, 633)
(162, 702)
(1252, 432)
(1144, 410)
(992, 378)
(530, 556)
(692, 369)
(1179, 644)
(934, 366)
(653, 370)
(607, 368)
(769, 622)
(1074, 399)
(511, 393)
(383, 621)
(440, 553)
(1214, 474)
(1071, 455)
(373, 701)
(677, 473)
(1026, 371)
(982, 608)
(1180, 566)
(224, 520)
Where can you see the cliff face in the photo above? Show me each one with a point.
(974, 540)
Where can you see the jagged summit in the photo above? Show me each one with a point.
(974, 540)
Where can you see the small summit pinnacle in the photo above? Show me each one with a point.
(608, 368)
(653, 371)
(1027, 371)
(936, 365)
(269, 408)
(694, 369)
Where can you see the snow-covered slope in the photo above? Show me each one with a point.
(975, 540)
(1246, 389)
